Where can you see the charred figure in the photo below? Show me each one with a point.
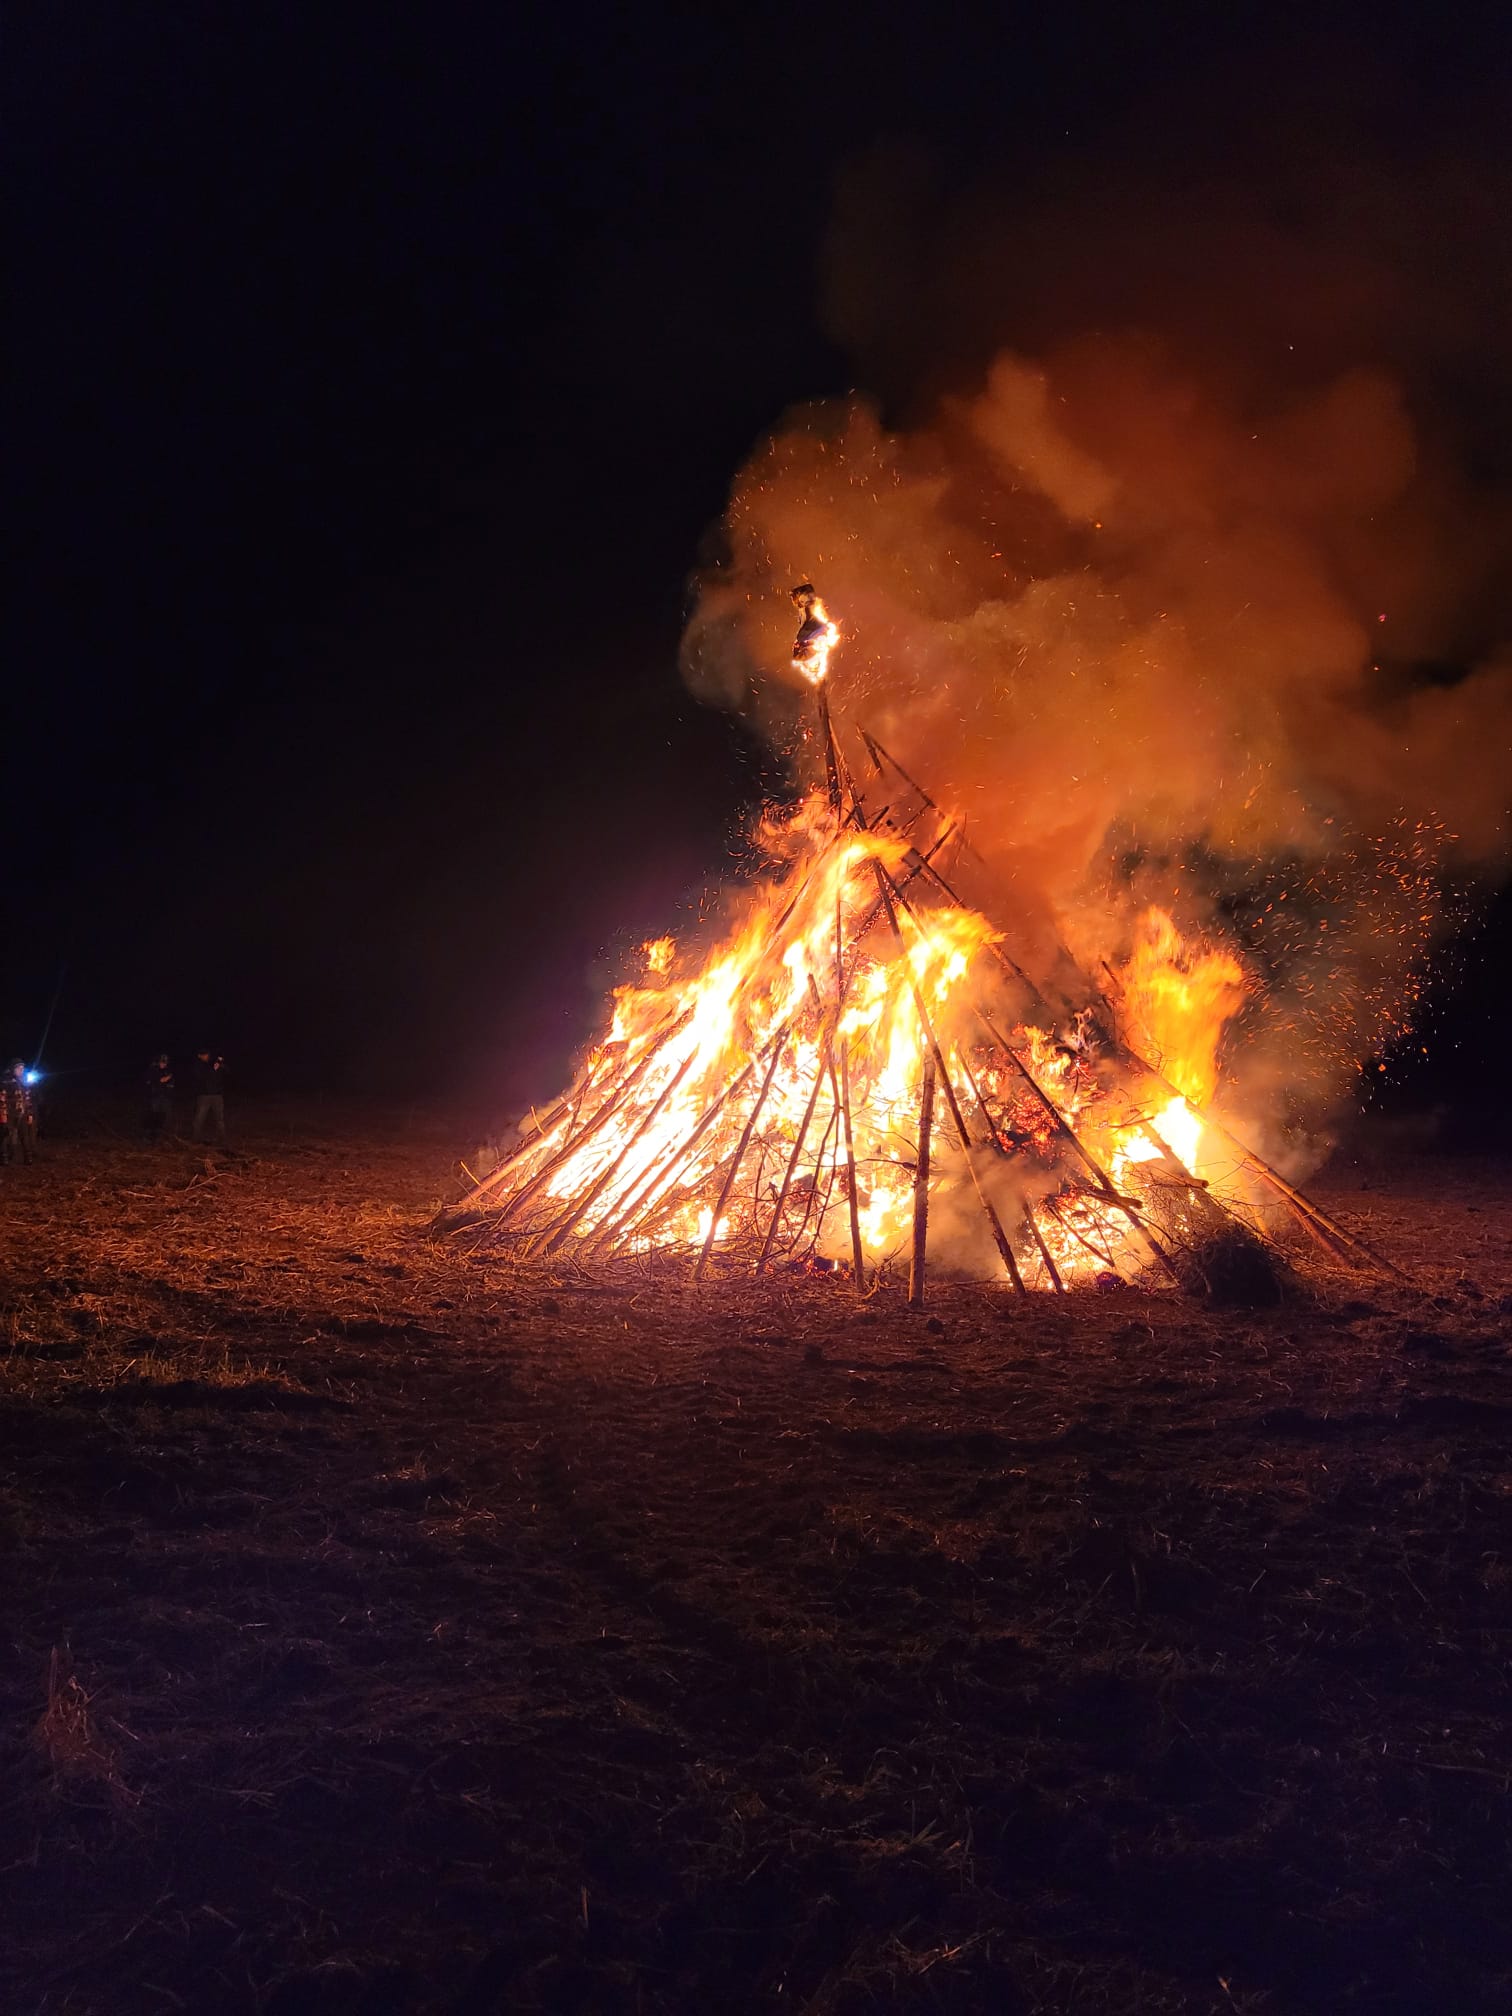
(815, 630)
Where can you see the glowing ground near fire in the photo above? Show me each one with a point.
(398, 1630)
(863, 1075)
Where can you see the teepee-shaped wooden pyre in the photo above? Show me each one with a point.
(862, 1075)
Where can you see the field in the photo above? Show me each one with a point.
(391, 1631)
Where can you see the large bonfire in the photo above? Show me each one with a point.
(863, 1079)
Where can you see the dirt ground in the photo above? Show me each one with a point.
(387, 1630)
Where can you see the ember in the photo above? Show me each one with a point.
(862, 1072)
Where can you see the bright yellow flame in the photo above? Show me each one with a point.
(715, 1096)
(1176, 1125)
(648, 1168)
(1178, 998)
(1181, 1130)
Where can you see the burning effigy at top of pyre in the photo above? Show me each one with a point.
(863, 1078)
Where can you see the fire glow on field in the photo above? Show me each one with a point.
(770, 1102)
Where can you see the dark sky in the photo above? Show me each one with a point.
(379, 371)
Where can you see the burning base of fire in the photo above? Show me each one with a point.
(861, 1079)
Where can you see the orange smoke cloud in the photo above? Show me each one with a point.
(1163, 625)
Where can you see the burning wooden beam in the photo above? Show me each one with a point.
(935, 1061)
(792, 1164)
(918, 1258)
(739, 1156)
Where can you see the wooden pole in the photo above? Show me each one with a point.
(921, 1185)
(830, 1125)
(1039, 1239)
(793, 1160)
(1067, 1132)
(734, 1169)
(840, 1083)
(601, 1182)
(831, 754)
(647, 1195)
(888, 891)
(1168, 1158)
(1029, 1218)
(570, 1103)
(1102, 1259)
(1326, 1229)
(824, 1068)
(612, 1105)
(878, 755)
(858, 1265)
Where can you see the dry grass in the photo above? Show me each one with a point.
(451, 1637)
(70, 1740)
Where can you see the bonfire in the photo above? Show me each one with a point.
(863, 1079)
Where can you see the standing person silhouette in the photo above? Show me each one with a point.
(158, 1086)
(20, 1114)
(208, 1076)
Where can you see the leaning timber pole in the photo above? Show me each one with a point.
(858, 1265)
(793, 1160)
(816, 639)
(892, 896)
(1031, 1223)
(734, 1169)
(612, 1105)
(588, 1197)
(916, 1263)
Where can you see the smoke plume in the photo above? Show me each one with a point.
(1171, 548)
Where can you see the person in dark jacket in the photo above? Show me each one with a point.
(159, 1089)
(20, 1115)
(208, 1075)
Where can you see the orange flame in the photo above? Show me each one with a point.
(760, 1102)
(1178, 998)
(812, 662)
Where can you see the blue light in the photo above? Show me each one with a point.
(32, 1077)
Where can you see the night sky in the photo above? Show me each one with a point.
(379, 374)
